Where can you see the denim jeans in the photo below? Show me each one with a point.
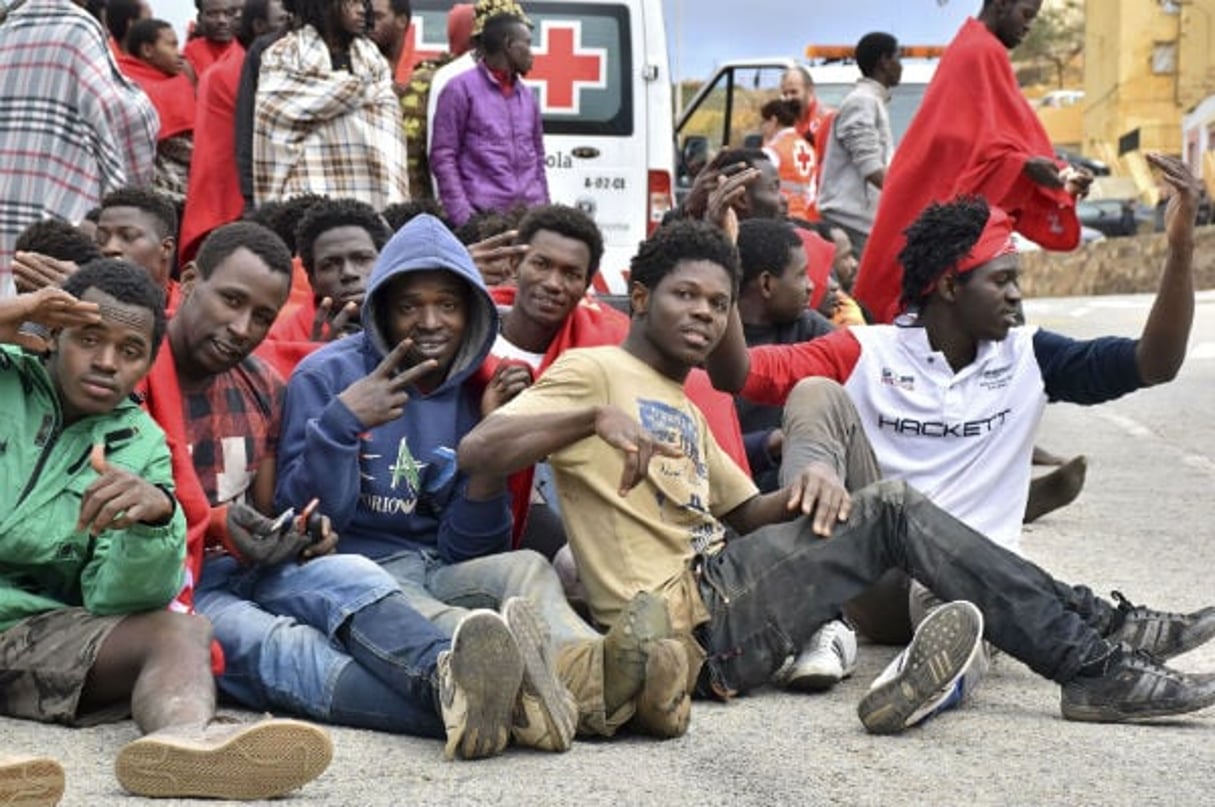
(769, 591)
(444, 592)
(332, 639)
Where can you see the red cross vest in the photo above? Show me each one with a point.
(796, 165)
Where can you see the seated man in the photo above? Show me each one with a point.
(359, 655)
(140, 226)
(91, 546)
(951, 405)
(338, 241)
(646, 495)
(772, 298)
(370, 427)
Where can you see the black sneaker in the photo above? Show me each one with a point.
(1132, 686)
(1160, 633)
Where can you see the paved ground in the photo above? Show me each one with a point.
(1143, 526)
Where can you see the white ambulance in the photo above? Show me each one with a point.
(604, 87)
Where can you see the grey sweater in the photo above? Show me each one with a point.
(859, 144)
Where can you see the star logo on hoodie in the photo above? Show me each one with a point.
(406, 467)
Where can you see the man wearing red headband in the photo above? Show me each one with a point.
(950, 400)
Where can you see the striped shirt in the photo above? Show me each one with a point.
(72, 128)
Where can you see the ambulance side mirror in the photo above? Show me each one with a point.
(693, 155)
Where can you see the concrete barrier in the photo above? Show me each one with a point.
(1114, 266)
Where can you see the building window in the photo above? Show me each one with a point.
(1164, 58)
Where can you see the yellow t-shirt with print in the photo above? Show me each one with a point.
(645, 540)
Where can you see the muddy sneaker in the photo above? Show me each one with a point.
(643, 621)
(1131, 685)
(829, 658)
(1160, 633)
(225, 760)
(546, 714)
(479, 680)
(927, 674)
(27, 781)
(664, 707)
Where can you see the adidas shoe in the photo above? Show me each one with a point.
(479, 679)
(546, 714)
(829, 658)
(1132, 685)
(930, 674)
(1160, 633)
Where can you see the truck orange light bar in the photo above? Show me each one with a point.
(837, 52)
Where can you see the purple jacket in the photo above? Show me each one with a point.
(486, 150)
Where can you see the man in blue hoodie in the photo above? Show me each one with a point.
(370, 428)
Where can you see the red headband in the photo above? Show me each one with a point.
(994, 241)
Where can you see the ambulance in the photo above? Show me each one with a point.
(604, 86)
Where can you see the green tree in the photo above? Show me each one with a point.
(1054, 41)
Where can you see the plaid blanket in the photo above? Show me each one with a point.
(332, 132)
(72, 128)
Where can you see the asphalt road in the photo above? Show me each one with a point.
(1143, 526)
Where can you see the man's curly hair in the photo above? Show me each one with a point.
(329, 214)
(684, 240)
(156, 205)
(936, 241)
(57, 239)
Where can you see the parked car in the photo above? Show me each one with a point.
(1116, 217)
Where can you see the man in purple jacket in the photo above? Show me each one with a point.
(486, 147)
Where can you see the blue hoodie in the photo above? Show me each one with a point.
(394, 487)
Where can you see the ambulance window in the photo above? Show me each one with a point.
(583, 67)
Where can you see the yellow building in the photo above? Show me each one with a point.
(1147, 63)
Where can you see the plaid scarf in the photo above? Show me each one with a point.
(332, 132)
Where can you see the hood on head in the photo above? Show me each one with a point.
(425, 244)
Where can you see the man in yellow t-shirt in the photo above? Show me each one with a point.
(645, 492)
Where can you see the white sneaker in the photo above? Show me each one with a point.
(941, 666)
(828, 658)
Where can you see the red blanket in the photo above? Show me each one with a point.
(214, 198)
(163, 400)
(972, 135)
(820, 254)
(173, 96)
(201, 53)
(593, 324)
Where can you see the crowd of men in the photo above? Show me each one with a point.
(279, 423)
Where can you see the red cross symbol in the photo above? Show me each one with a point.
(415, 48)
(802, 156)
(562, 68)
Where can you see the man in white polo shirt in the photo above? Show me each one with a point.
(950, 399)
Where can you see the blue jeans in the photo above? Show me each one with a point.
(767, 593)
(444, 592)
(332, 639)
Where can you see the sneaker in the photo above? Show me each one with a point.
(225, 760)
(1160, 633)
(643, 621)
(664, 706)
(1132, 685)
(829, 658)
(479, 679)
(944, 647)
(27, 781)
(546, 714)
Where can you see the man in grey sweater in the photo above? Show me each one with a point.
(860, 145)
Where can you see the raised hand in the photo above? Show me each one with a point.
(1183, 204)
(33, 271)
(507, 382)
(55, 308)
(620, 431)
(380, 396)
(117, 499)
(325, 329)
(497, 256)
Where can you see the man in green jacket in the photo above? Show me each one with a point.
(92, 544)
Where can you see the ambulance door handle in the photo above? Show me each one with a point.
(585, 152)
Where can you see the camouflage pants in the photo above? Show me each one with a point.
(45, 662)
